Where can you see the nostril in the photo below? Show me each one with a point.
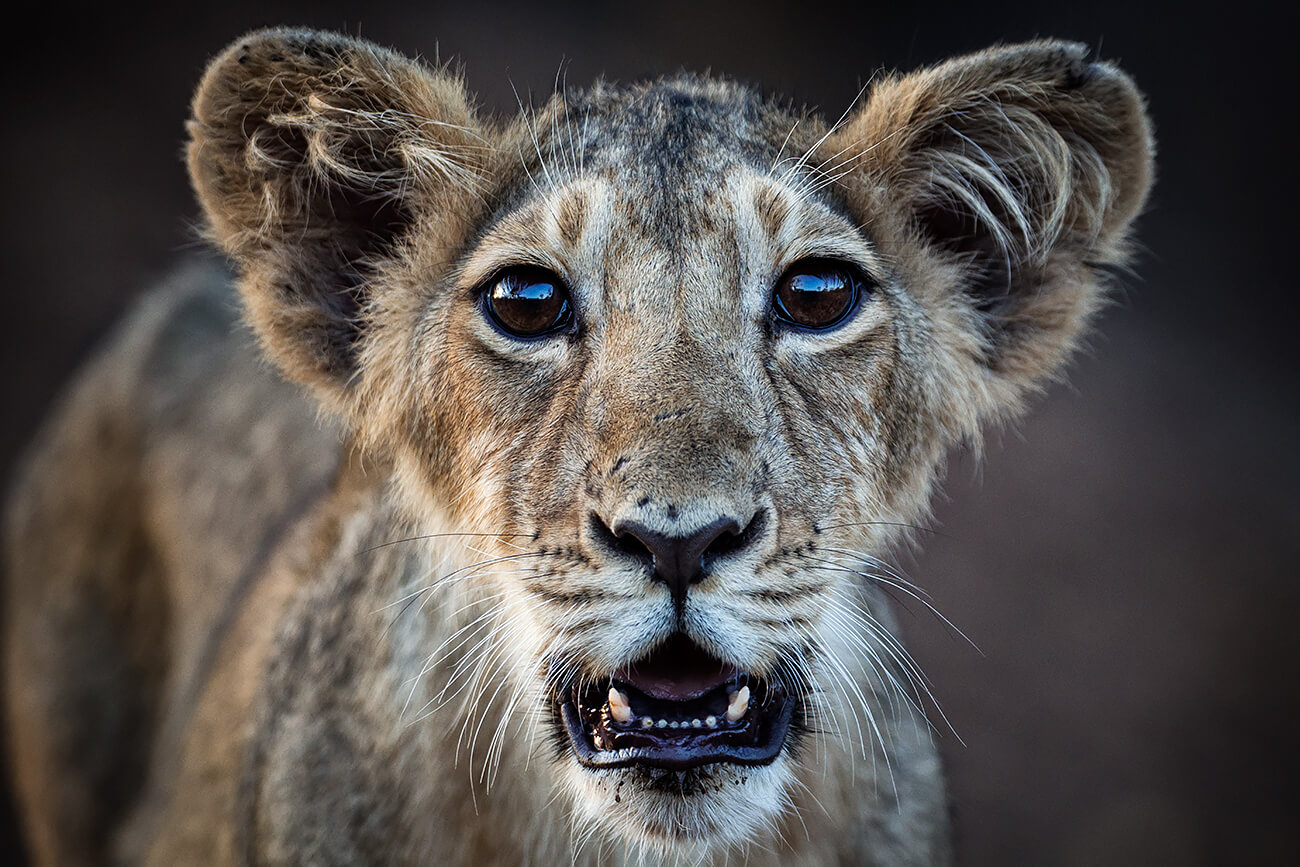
(622, 541)
(710, 541)
(733, 539)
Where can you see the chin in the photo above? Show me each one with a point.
(698, 810)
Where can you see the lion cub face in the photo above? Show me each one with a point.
(685, 355)
(673, 361)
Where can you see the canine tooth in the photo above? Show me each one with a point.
(711, 722)
(738, 705)
(619, 709)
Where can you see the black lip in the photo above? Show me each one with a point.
(757, 739)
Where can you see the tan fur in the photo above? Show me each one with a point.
(238, 634)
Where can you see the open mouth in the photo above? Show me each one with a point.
(677, 708)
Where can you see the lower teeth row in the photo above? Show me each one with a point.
(621, 711)
(707, 722)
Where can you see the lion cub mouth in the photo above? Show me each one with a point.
(677, 708)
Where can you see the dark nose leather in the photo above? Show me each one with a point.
(678, 560)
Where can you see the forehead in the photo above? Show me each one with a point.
(673, 167)
(666, 144)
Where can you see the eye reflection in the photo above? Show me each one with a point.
(817, 294)
(528, 302)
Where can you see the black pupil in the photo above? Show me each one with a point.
(528, 304)
(815, 298)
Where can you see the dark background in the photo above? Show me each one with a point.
(1126, 560)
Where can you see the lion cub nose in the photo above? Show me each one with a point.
(681, 560)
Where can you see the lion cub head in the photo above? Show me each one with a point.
(686, 354)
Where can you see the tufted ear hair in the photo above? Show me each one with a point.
(313, 155)
(1013, 174)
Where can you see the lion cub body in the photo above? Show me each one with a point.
(242, 632)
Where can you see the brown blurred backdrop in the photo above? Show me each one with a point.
(1127, 560)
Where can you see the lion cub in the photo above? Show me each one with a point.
(624, 400)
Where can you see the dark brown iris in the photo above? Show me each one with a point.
(816, 294)
(528, 302)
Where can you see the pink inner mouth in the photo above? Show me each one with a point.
(677, 671)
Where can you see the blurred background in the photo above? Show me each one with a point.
(1127, 560)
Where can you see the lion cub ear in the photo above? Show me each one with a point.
(312, 155)
(1010, 178)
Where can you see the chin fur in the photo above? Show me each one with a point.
(684, 814)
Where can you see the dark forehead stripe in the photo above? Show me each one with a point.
(671, 124)
(671, 143)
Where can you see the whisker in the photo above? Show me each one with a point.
(822, 528)
(900, 585)
(442, 579)
(876, 562)
(435, 536)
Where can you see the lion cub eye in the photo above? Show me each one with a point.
(528, 302)
(817, 294)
